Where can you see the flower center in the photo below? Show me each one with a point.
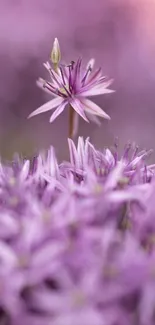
(110, 271)
(12, 181)
(14, 201)
(79, 298)
(98, 189)
(63, 91)
(23, 261)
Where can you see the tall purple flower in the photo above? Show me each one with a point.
(70, 85)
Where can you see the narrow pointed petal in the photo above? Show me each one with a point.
(115, 176)
(99, 89)
(72, 152)
(122, 196)
(58, 111)
(40, 83)
(96, 92)
(76, 104)
(93, 108)
(47, 106)
(92, 117)
(47, 66)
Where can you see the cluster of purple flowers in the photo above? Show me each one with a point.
(77, 239)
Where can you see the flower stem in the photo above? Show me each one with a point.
(71, 122)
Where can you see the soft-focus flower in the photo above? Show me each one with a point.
(103, 162)
(77, 243)
(70, 85)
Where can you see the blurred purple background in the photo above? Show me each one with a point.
(118, 33)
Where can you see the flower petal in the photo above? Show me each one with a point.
(77, 105)
(93, 108)
(92, 117)
(72, 152)
(76, 74)
(58, 111)
(47, 106)
(90, 63)
(99, 89)
(94, 77)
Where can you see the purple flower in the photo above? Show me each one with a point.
(103, 162)
(77, 244)
(70, 85)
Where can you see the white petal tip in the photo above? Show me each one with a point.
(40, 82)
(109, 91)
(29, 116)
(106, 117)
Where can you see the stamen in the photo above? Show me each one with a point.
(68, 93)
(62, 75)
(135, 152)
(77, 72)
(72, 64)
(49, 87)
(60, 93)
(127, 149)
(60, 84)
(89, 69)
(70, 67)
(96, 74)
(115, 154)
(70, 77)
(55, 78)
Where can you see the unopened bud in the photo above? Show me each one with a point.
(55, 54)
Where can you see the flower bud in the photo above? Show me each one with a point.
(55, 54)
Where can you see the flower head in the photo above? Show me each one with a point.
(103, 162)
(70, 85)
(67, 254)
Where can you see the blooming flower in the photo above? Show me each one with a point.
(77, 244)
(103, 162)
(70, 85)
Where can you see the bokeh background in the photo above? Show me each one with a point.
(120, 34)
